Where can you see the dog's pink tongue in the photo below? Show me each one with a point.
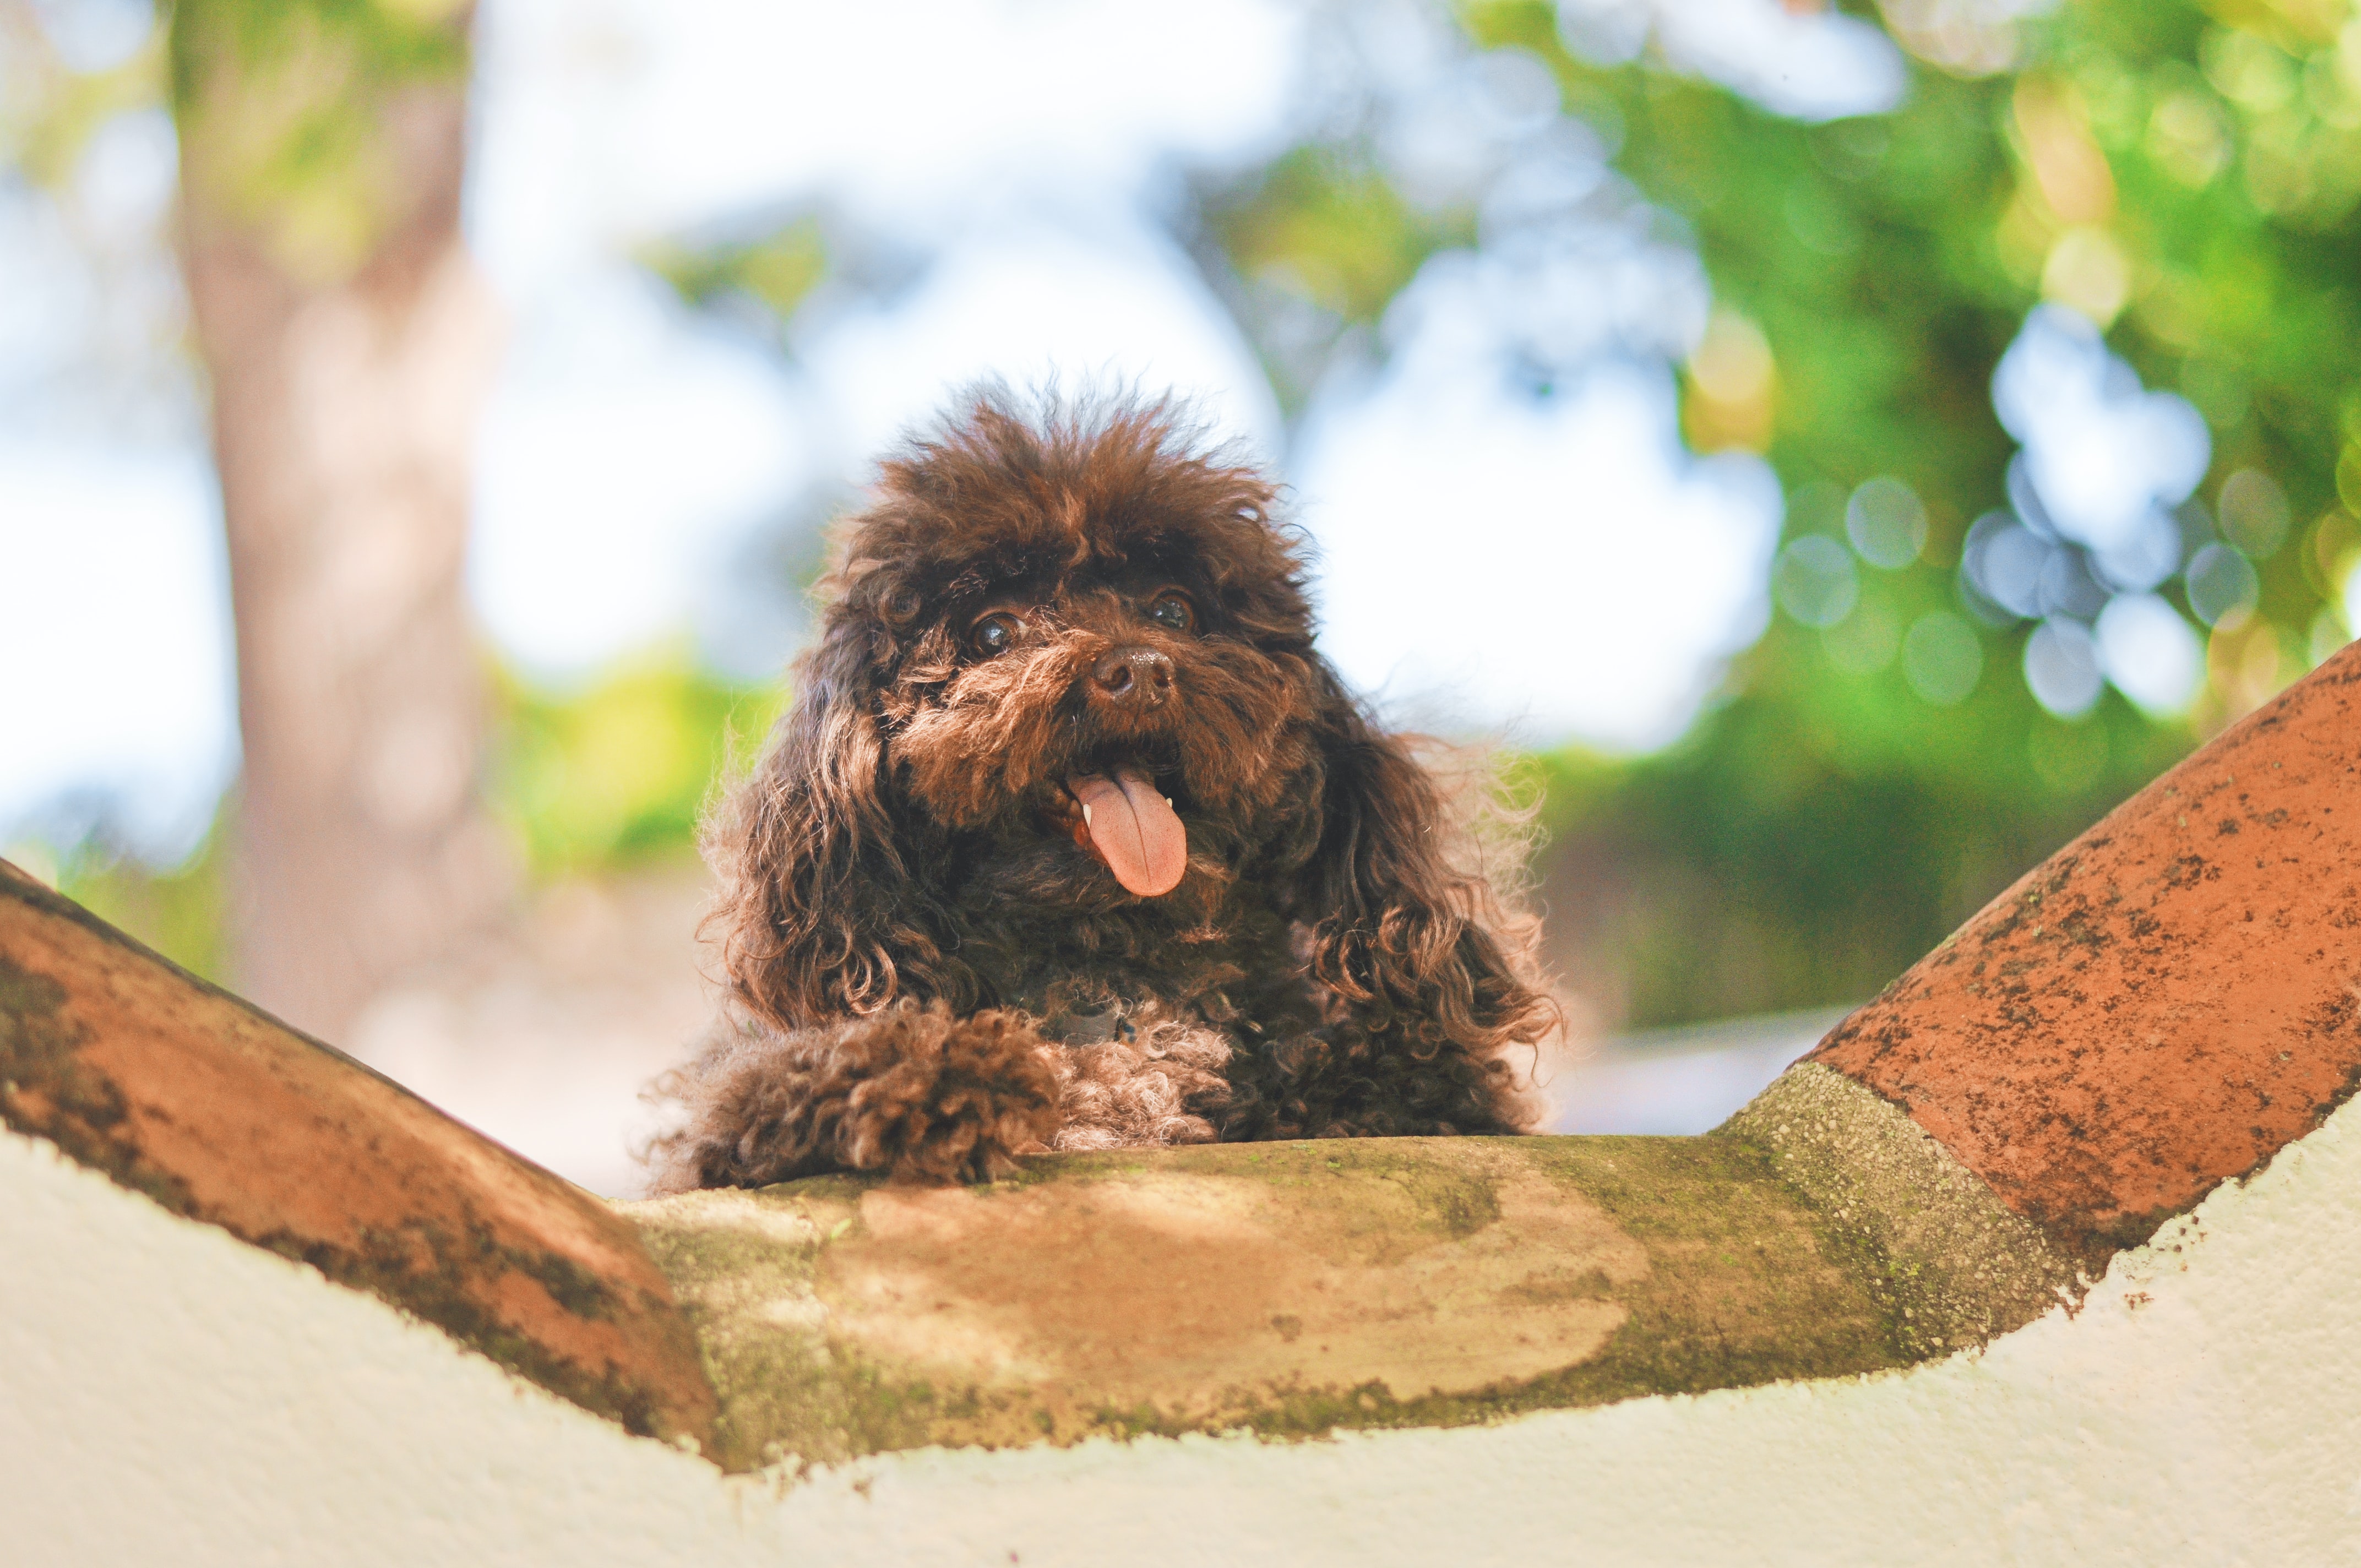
(1134, 830)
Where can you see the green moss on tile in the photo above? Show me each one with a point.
(1699, 1266)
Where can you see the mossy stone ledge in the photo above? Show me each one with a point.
(1288, 1289)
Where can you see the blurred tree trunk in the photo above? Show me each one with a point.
(349, 341)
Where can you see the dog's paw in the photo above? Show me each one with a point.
(951, 1099)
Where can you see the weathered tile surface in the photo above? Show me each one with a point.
(1290, 1288)
(2162, 1005)
(223, 1114)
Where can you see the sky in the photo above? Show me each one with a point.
(1540, 568)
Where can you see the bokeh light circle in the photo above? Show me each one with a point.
(2221, 584)
(1814, 580)
(1886, 522)
(1942, 658)
(2062, 668)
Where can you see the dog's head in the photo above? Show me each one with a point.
(1066, 663)
(1080, 642)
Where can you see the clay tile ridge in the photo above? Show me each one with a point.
(2162, 1005)
(222, 1114)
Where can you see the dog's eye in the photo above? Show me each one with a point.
(993, 634)
(1173, 612)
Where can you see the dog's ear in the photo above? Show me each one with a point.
(824, 910)
(1409, 942)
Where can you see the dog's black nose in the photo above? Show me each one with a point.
(1139, 678)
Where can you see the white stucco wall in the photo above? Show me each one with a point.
(170, 1394)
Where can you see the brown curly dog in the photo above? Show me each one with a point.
(1071, 839)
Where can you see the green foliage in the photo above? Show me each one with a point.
(1322, 231)
(2187, 179)
(777, 271)
(182, 911)
(1771, 861)
(621, 770)
(2191, 183)
(283, 111)
(1334, 229)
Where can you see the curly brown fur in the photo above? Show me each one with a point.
(909, 1090)
(1151, 1080)
(925, 936)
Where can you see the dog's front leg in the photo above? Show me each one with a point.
(915, 1092)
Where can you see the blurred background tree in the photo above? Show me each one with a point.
(349, 342)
